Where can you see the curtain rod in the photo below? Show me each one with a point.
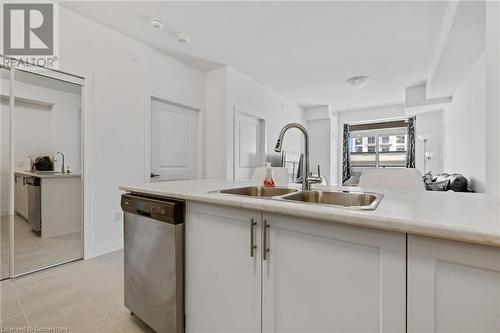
(376, 121)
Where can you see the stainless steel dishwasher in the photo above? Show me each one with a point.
(34, 203)
(154, 260)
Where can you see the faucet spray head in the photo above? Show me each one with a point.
(278, 147)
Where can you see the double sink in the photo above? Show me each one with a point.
(348, 199)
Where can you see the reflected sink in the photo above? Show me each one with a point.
(358, 200)
(259, 191)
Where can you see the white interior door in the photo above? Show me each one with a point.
(249, 143)
(174, 142)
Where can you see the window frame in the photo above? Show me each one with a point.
(378, 134)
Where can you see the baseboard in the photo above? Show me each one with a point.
(5, 212)
(60, 233)
(100, 250)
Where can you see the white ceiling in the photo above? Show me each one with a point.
(303, 50)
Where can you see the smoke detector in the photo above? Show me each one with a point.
(157, 24)
(183, 38)
(358, 81)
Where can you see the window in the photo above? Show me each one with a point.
(378, 148)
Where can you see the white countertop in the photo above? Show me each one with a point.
(46, 174)
(468, 217)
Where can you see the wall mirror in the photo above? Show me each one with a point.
(41, 171)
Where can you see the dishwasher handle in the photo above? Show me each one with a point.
(143, 213)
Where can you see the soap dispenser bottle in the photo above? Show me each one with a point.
(268, 176)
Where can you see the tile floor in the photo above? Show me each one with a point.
(82, 296)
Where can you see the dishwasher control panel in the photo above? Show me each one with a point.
(163, 209)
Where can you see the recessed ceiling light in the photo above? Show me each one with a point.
(156, 23)
(358, 81)
(183, 38)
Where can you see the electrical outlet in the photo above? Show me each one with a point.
(118, 216)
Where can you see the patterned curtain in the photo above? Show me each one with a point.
(346, 156)
(410, 153)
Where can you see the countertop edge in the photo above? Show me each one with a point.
(336, 215)
(50, 175)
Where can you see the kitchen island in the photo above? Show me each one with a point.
(49, 201)
(421, 262)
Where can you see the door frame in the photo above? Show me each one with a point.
(262, 119)
(147, 135)
(85, 188)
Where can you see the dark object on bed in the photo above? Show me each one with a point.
(446, 182)
(438, 186)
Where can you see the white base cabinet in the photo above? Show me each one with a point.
(452, 287)
(248, 271)
(60, 206)
(324, 277)
(316, 277)
(223, 282)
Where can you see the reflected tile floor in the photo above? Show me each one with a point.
(82, 296)
(32, 252)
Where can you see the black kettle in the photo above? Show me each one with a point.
(43, 163)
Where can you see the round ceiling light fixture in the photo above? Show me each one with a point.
(183, 38)
(156, 23)
(358, 81)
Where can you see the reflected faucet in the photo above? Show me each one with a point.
(55, 159)
(307, 178)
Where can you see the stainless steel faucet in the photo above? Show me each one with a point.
(55, 159)
(307, 178)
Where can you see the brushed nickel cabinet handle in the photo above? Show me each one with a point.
(253, 225)
(265, 243)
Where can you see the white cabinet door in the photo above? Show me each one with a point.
(325, 277)
(452, 287)
(223, 282)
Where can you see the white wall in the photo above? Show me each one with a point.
(426, 123)
(323, 141)
(255, 99)
(48, 119)
(33, 131)
(430, 123)
(464, 128)
(227, 90)
(493, 98)
(117, 91)
(216, 123)
(320, 143)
